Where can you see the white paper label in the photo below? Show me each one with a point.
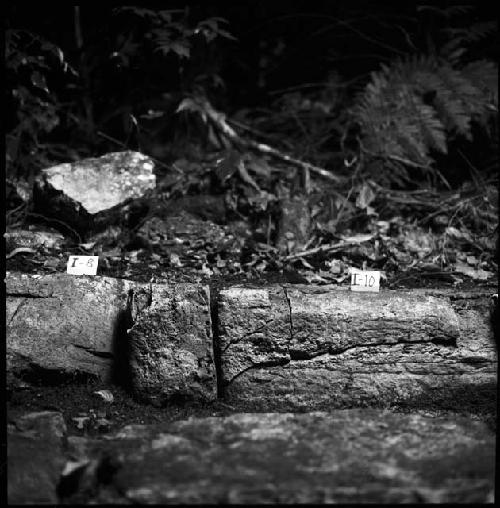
(82, 265)
(364, 280)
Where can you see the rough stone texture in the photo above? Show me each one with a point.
(103, 182)
(35, 457)
(254, 329)
(171, 347)
(63, 323)
(281, 348)
(304, 348)
(350, 456)
(91, 194)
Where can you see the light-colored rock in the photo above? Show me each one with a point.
(102, 182)
(305, 348)
(71, 325)
(62, 323)
(89, 196)
(278, 348)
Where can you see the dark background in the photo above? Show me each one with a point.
(114, 79)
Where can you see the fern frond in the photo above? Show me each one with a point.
(409, 109)
(473, 33)
(484, 74)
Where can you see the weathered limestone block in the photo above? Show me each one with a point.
(335, 321)
(102, 182)
(171, 348)
(343, 348)
(63, 323)
(344, 456)
(78, 325)
(82, 191)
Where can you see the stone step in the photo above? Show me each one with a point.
(290, 347)
(344, 456)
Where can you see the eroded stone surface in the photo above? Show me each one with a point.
(63, 323)
(171, 348)
(341, 457)
(102, 182)
(254, 329)
(343, 348)
(66, 325)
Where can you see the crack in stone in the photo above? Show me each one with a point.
(28, 295)
(100, 354)
(259, 365)
(287, 298)
(268, 363)
(138, 301)
(302, 355)
(21, 304)
(213, 293)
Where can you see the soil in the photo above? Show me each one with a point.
(77, 399)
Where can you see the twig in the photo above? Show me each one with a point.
(51, 219)
(262, 148)
(245, 127)
(405, 161)
(219, 121)
(113, 140)
(20, 250)
(322, 249)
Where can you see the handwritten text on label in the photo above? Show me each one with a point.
(364, 280)
(82, 265)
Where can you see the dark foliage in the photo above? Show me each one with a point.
(86, 80)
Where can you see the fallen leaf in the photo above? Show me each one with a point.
(365, 197)
(73, 465)
(335, 266)
(87, 246)
(357, 238)
(105, 395)
(465, 269)
(471, 260)
(175, 260)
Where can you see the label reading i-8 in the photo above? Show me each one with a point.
(82, 265)
(363, 280)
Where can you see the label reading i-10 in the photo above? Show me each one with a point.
(363, 280)
(82, 265)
